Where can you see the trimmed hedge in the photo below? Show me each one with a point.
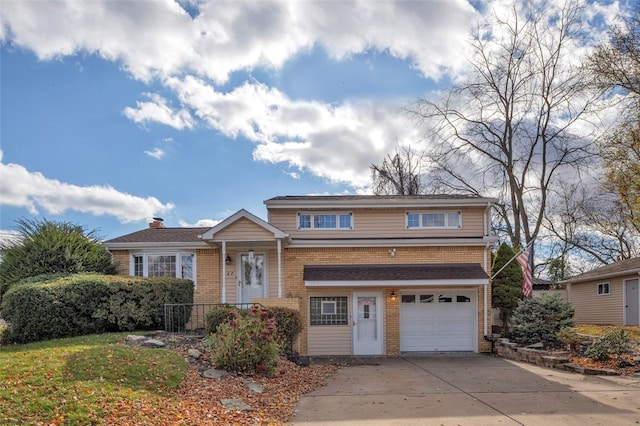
(90, 303)
(219, 315)
(288, 326)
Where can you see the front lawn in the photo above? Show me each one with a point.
(79, 380)
(601, 330)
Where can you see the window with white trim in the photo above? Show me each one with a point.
(328, 310)
(176, 265)
(434, 219)
(325, 220)
(603, 289)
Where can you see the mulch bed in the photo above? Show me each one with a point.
(197, 400)
(610, 364)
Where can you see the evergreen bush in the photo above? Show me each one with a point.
(216, 316)
(84, 304)
(540, 319)
(615, 342)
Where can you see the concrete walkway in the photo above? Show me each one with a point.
(468, 390)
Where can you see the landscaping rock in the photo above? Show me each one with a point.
(153, 343)
(133, 338)
(235, 404)
(538, 345)
(214, 373)
(194, 353)
(254, 387)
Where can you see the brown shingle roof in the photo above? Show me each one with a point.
(161, 235)
(373, 197)
(618, 268)
(448, 271)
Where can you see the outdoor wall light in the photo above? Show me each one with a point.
(393, 295)
(228, 260)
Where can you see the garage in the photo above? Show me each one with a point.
(433, 320)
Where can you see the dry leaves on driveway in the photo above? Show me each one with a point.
(197, 400)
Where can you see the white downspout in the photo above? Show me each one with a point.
(485, 292)
(224, 272)
(279, 268)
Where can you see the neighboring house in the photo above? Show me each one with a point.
(370, 275)
(607, 295)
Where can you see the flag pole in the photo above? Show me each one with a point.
(522, 250)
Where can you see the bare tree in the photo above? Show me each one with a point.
(514, 128)
(398, 174)
(615, 67)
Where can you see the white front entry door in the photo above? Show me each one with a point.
(367, 323)
(252, 282)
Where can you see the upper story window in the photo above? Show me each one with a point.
(434, 220)
(177, 265)
(325, 220)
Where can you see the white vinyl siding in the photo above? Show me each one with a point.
(381, 223)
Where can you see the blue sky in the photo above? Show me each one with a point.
(114, 112)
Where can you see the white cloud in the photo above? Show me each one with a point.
(159, 38)
(21, 188)
(157, 153)
(202, 223)
(337, 142)
(157, 110)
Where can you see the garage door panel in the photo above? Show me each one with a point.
(437, 321)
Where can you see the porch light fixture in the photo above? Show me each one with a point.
(393, 295)
(228, 260)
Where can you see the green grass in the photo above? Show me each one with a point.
(77, 380)
(601, 330)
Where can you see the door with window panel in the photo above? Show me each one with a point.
(252, 277)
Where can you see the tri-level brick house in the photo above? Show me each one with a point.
(370, 275)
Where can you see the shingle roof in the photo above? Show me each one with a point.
(373, 197)
(161, 235)
(622, 267)
(448, 271)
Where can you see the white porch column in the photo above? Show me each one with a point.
(224, 271)
(279, 242)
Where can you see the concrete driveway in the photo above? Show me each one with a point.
(468, 390)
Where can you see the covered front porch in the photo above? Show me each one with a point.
(251, 258)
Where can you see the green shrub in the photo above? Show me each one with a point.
(216, 316)
(288, 324)
(570, 338)
(615, 342)
(247, 344)
(84, 304)
(539, 319)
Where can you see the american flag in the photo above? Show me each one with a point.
(523, 260)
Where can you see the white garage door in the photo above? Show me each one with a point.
(437, 320)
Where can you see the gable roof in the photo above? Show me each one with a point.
(243, 214)
(377, 201)
(613, 270)
(446, 273)
(166, 237)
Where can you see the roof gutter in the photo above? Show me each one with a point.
(155, 245)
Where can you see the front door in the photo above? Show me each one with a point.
(252, 281)
(367, 323)
(632, 300)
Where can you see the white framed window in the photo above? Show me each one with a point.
(177, 265)
(434, 219)
(603, 289)
(325, 220)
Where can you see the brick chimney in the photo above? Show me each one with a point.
(157, 223)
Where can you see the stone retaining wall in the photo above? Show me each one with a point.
(560, 360)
